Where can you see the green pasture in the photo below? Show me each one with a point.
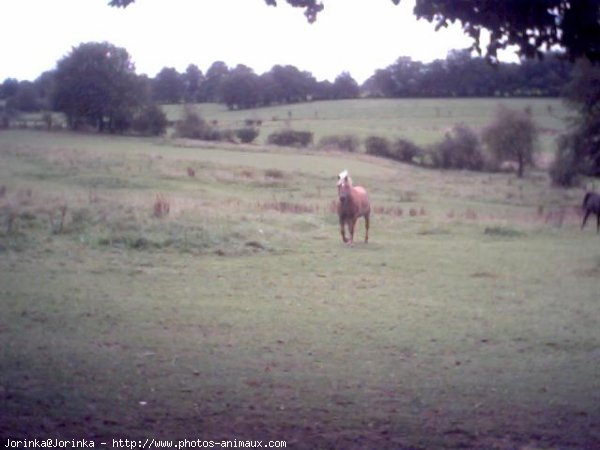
(423, 121)
(470, 319)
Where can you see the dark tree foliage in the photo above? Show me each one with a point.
(461, 75)
(323, 90)
(291, 85)
(534, 26)
(45, 85)
(210, 89)
(96, 85)
(120, 3)
(192, 80)
(168, 86)
(291, 138)
(460, 149)
(150, 121)
(345, 86)
(240, 89)
(311, 7)
(26, 98)
(9, 87)
(578, 151)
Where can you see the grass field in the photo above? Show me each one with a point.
(470, 320)
(424, 121)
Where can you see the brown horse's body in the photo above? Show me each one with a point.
(353, 203)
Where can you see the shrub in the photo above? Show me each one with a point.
(512, 135)
(346, 142)
(291, 138)
(400, 150)
(378, 146)
(405, 150)
(192, 126)
(460, 149)
(226, 135)
(274, 173)
(247, 135)
(565, 168)
(150, 121)
(250, 123)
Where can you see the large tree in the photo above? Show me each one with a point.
(290, 84)
(534, 26)
(240, 89)
(168, 86)
(96, 84)
(210, 90)
(345, 86)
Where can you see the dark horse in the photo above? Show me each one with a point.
(353, 203)
(591, 204)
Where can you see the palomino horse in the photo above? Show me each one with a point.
(353, 203)
(591, 204)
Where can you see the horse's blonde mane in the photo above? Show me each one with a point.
(344, 174)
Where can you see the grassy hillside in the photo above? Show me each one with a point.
(422, 120)
(468, 321)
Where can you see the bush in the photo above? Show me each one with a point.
(405, 150)
(512, 136)
(460, 149)
(226, 135)
(274, 173)
(378, 146)
(346, 142)
(401, 150)
(150, 121)
(192, 126)
(247, 135)
(565, 168)
(291, 138)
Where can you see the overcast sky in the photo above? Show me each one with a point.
(357, 36)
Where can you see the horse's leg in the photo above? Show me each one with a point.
(351, 225)
(585, 218)
(343, 230)
(598, 222)
(366, 228)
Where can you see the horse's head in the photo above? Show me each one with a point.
(344, 185)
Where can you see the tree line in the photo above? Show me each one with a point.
(93, 68)
(96, 86)
(461, 75)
